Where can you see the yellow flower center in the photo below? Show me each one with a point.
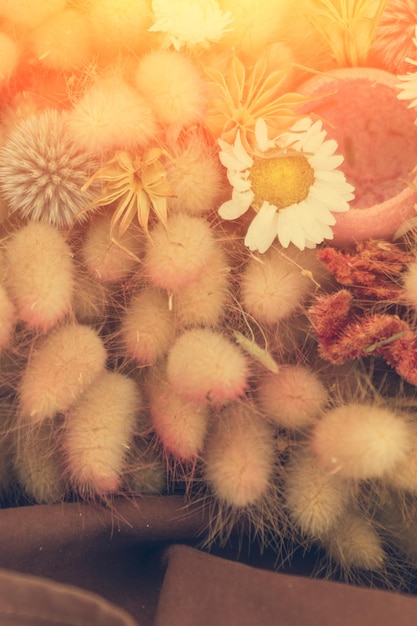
(281, 181)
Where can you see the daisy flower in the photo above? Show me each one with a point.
(409, 81)
(291, 182)
(190, 22)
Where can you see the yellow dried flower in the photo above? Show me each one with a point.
(137, 185)
(347, 26)
(240, 96)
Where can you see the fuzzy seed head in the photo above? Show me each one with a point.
(91, 298)
(178, 251)
(147, 328)
(109, 261)
(118, 24)
(293, 398)
(63, 42)
(271, 290)
(111, 115)
(145, 472)
(204, 366)
(8, 318)
(38, 463)
(181, 425)
(42, 171)
(361, 441)
(203, 302)
(239, 459)
(314, 497)
(403, 475)
(28, 14)
(59, 370)
(99, 430)
(173, 86)
(40, 275)
(195, 174)
(354, 543)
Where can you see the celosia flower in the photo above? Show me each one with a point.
(291, 182)
(408, 87)
(190, 22)
(346, 332)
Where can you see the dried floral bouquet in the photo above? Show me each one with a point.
(208, 264)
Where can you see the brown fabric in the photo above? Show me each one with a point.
(27, 601)
(209, 591)
(115, 552)
(140, 561)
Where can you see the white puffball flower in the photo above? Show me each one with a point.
(190, 22)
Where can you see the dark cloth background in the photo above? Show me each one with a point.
(139, 563)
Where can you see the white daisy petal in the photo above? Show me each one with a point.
(285, 227)
(333, 176)
(327, 149)
(302, 125)
(329, 163)
(313, 139)
(263, 229)
(224, 146)
(243, 198)
(314, 230)
(321, 212)
(261, 136)
(240, 152)
(328, 196)
(231, 162)
(238, 181)
(231, 210)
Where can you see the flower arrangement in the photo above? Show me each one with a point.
(209, 283)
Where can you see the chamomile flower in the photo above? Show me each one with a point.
(408, 87)
(291, 182)
(187, 23)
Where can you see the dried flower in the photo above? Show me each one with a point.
(43, 172)
(240, 96)
(348, 27)
(371, 269)
(187, 23)
(137, 184)
(291, 182)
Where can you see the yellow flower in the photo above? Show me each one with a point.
(347, 26)
(240, 96)
(136, 185)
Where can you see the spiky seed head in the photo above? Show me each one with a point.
(42, 171)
